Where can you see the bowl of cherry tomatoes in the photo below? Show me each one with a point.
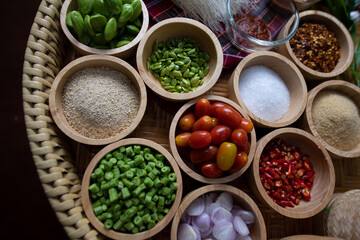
(212, 139)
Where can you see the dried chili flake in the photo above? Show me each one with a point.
(316, 47)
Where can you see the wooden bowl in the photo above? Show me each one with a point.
(56, 91)
(350, 90)
(180, 28)
(85, 199)
(123, 52)
(309, 237)
(324, 181)
(187, 166)
(342, 34)
(289, 73)
(258, 230)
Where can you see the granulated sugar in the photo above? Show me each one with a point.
(264, 93)
(99, 102)
(336, 119)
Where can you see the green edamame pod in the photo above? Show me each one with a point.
(132, 29)
(114, 6)
(99, 7)
(126, 13)
(88, 28)
(85, 6)
(85, 39)
(99, 39)
(122, 43)
(98, 22)
(127, 1)
(110, 29)
(68, 20)
(136, 5)
(137, 22)
(78, 22)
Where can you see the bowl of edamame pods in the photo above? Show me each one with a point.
(179, 59)
(111, 27)
(131, 189)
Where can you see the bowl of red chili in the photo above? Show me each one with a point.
(292, 173)
(322, 48)
(255, 27)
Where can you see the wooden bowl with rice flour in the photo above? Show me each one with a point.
(97, 99)
(332, 116)
(270, 88)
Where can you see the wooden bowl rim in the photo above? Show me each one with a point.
(214, 188)
(87, 203)
(181, 162)
(327, 18)
(287, 211)
(176, 96)
(115, 51)
(308, 115)
(57, 111)
(259, 121)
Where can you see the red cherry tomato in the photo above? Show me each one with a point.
(247, 125)
(245, 148)
(204, 155)
(214, 122)
(186, 122)
(239, 137)
(226, 156)
(215, 106)
(202, 107)
(220, 134)
(199, 139)
(182, 139)
(203, 123)
(228, 116)
(240, 161)
(211, 170)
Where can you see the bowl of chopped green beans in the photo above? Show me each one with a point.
(131, 189)
(179, 59)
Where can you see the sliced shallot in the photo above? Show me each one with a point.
(221, 213)
(247, 216)
(224, 230)
(196, 207)
(225, 199)
(187, 232)
(202, 222)
(240, 226)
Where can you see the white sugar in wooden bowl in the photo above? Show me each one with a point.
(291, 77)
(92, 112)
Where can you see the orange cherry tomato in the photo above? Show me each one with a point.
(202, 107)
(215, 106)
(226, 156)
(203, 123)
(240, 161)
(186, 122)
(228, 116)
(247, 125)
(214, 122)
(211, 170)
(245, 148)
(204, 155)
(239, 137)
(182, 139)
(199, 139)
(220, 134)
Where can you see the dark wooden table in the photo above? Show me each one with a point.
(25, 212)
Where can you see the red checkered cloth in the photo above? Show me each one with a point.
(163, 9)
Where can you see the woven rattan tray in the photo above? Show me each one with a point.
(61, 162)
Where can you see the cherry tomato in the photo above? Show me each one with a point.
(199, 139)
(228, 116)
(204, 155)
(186, 122)
(247, 125)
(216, 105)
(240, 161)
(239, 137)
(245, 148)
(182, 139)
(203, 123)
(211, 170)
(202, 107)
(214, 122)
(220, 134)
(226, 155)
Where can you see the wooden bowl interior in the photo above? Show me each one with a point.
(180, 28)
(94, 61)
(324, 180)
(341, 33)
(190, 168)
(291, 76)
(86, 199)
(258, 230)
(348, 89)
(124, 52)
